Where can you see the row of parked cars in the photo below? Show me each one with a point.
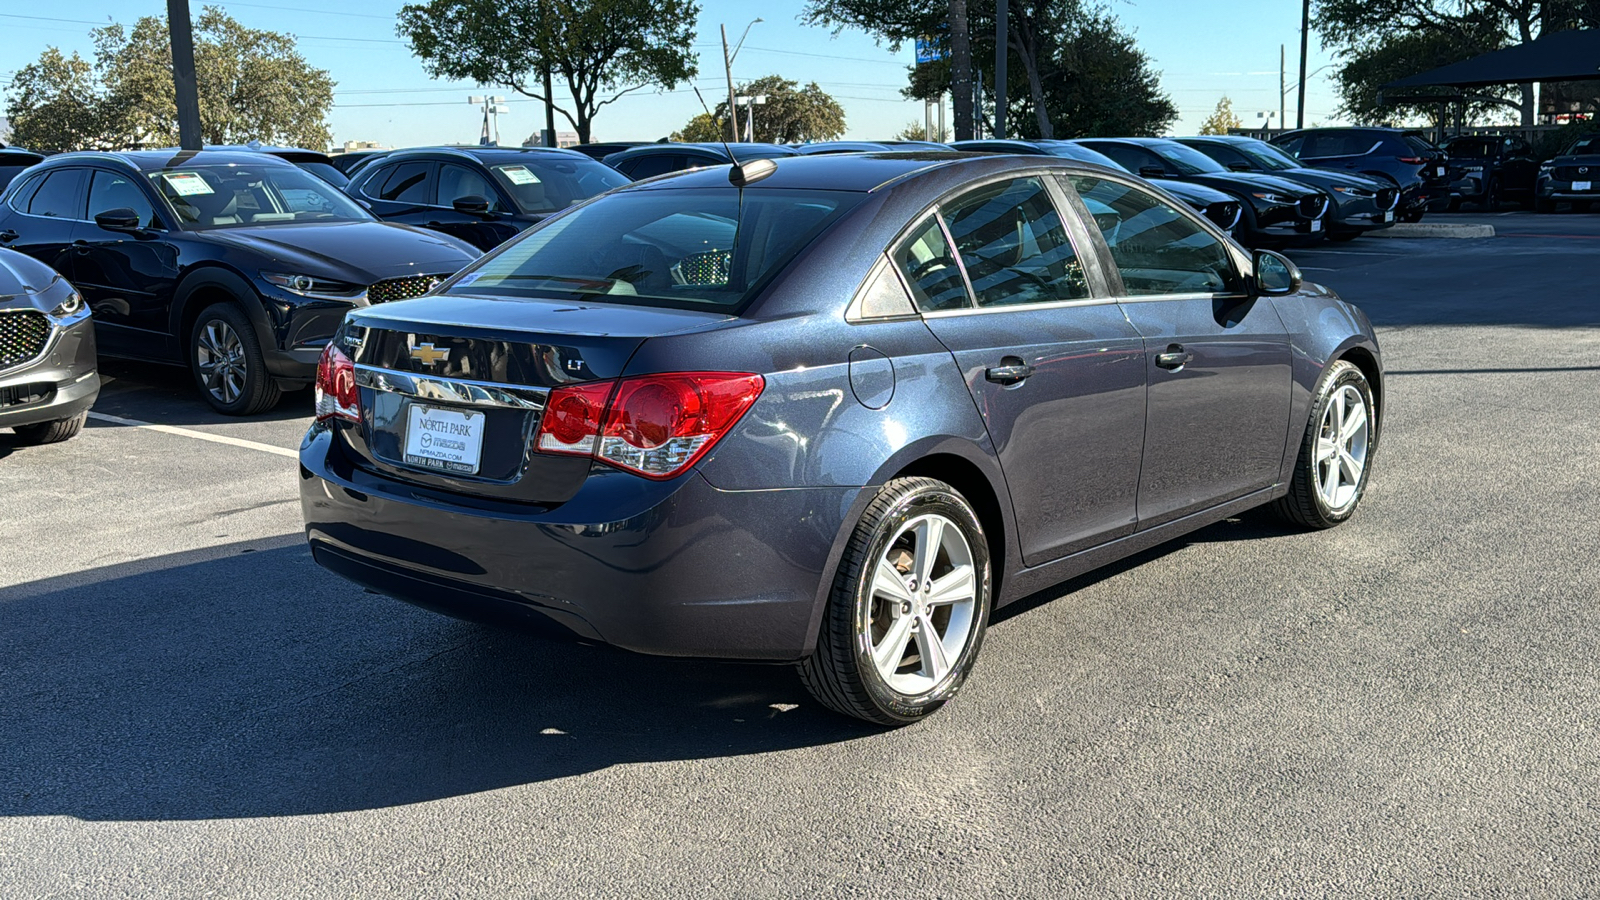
(239, 263)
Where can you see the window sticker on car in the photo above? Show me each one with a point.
(187, 184)
(519, 175)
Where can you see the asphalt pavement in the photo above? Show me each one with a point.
(1404, 706)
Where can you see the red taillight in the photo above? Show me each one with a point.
(1411, 160)
(337, 397)
(654, 425)
(571, 421)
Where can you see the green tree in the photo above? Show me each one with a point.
(791, 115)
(918, 131)
(253, 84)
(56, 104)
(1385, 35)
(1223, 120)
(601, 49)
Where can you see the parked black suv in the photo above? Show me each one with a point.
(1359, 204)
(1419, 169)
(1488, 169)
(482, 195)
(651, 160)
(1277, 212)
(1220, 208)
(238, 265)
(1572, 176)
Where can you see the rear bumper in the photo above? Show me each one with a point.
(675, 568)
(64, 380)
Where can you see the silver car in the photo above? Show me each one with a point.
(47, 352)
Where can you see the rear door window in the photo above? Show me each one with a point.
(60, 197)
(406, 183)
(1013, 245)
(24, 193)
(1157, 248)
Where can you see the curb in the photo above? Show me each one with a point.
(1432, 230)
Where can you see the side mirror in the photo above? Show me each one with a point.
(1240, 167)
(120, 219)
(1152, 172)
(1276, 274)
(472, 204)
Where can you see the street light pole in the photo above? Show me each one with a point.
(183, 80)
(727, 68)
(1305, 34)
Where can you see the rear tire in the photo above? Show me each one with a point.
(53, 432)
(228, 366)
(1335, 460)
(908, 609)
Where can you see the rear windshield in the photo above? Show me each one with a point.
(682, 249)
(1584, 145)
(1186, 160)
(1472, 147)
(547, 185)
(1421, 145)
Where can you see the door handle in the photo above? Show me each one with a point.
(8, 236)
(1010, 371)
(1175, 357)
(80, 246)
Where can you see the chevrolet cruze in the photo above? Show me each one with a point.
(831, 410)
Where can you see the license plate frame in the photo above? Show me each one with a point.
(443, 438)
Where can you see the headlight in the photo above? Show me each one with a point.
(1270, 197)
(318, 288)
(1546, 168)
(1355, 191)
(69, 306)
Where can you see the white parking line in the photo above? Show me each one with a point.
(197, 435)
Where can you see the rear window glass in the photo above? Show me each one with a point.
(688, 249)
(1420, 145)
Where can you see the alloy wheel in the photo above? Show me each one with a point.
(1342, 443)
(923, 604)
(220, 357)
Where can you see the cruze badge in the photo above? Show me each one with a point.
(428, 354)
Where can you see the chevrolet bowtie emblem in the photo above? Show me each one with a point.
(428, 354)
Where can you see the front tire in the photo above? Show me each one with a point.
(1335, 461)
(229, 368)
(908, 610)
(53, 432)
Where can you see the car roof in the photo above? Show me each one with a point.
(999, 145)
(711, 148)
(158, 160)
(860, 172)
(490, 155)
(841, 147)
(1139, 141)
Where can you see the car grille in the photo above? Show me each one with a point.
(1387, 198)
(23, 337)
(1576, 173)
(23, 394)
(1314, 206)
(1225, 215)
(403, 288)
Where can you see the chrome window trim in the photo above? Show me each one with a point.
(87, 173)
(452, 390)
(1021, 307)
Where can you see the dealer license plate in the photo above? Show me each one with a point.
(1316, 224)
(1389, 216)
(448, 439)
(1581, 185)
(1439, 171)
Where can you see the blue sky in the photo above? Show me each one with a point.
(1203, 49)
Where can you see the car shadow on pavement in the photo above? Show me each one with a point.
(244, 681)
(167, 395)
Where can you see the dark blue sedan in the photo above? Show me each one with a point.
(831, 410)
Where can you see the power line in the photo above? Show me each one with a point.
(326, 12)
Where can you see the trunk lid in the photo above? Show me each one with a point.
(453, 387)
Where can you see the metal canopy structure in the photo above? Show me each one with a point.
(1558, 56)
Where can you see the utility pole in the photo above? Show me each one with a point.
(1283, 89)
(549, 113)
(183, 80)
(1000, 28)
(727, 67)
(962, 85)
(1305, 34)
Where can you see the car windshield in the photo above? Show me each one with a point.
(1477, 148)
(546, 185)
(231, 196)
(1584, 145)
(1271, 158)
(1186, 160)
(326, 172)
(682, 249)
